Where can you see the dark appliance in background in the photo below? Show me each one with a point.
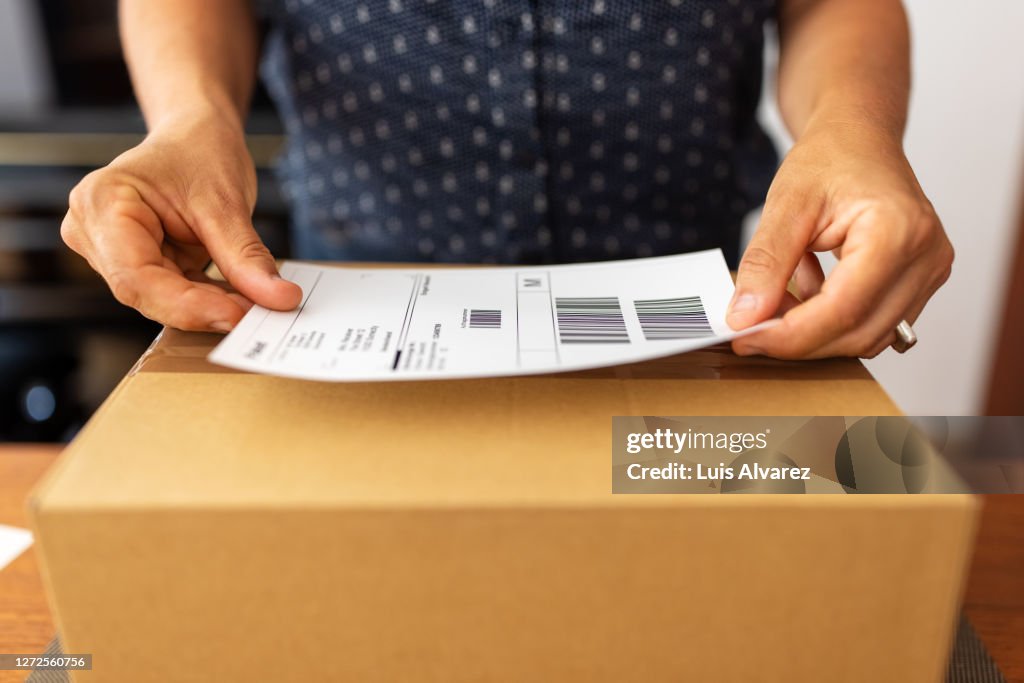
(64, 340)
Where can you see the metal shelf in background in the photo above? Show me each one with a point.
(48, 303)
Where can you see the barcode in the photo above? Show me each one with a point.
(591, 320)
(485, 319)
(682, 318)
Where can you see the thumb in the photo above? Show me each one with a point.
(244, 260)
(769, 261)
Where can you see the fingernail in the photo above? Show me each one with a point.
(741, 311)
(221, 326)
(742, 303)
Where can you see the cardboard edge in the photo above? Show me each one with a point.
(884, 501)
(38, 518)
(37, 508)
(888, 397)
(40, 491)
(42, 487)
(973, 505)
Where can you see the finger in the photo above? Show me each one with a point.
(789, 302)
(904, 300)
(241, 256)
(809, 277)
(76, 238)
(895, 310)
(242, 302)
(188, 257)
(129, 256)
(879, 326)
(846, 300)
(162, 295)
(771, 257)
(889, 339)
(71, 233)
(938, 278)
(207, 282)
(201, 276)
(204, 281)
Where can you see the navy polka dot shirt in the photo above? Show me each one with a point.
(518, 131)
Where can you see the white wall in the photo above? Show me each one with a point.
(965, 140)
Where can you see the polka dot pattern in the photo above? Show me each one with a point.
(518, 131)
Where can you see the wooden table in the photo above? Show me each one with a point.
(25, 623)
(994, 600)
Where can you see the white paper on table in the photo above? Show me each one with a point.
(13, 542)
(371, 324)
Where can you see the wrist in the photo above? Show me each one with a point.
(204, 105)
(853, 133)
(868, 119)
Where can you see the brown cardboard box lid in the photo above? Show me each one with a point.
(181, 431)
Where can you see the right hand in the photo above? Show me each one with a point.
(151, 220)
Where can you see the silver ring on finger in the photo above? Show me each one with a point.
(905, 337)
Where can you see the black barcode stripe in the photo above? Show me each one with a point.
(485, 319)
(679, 318)
(590, 320)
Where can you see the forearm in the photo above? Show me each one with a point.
(844, 63)
(190, 57)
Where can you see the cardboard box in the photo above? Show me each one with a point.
(209, 525)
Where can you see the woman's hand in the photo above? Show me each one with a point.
(846, 189)
(151, 220)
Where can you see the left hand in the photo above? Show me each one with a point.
(851, 191)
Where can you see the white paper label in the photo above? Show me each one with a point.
(369, 324)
